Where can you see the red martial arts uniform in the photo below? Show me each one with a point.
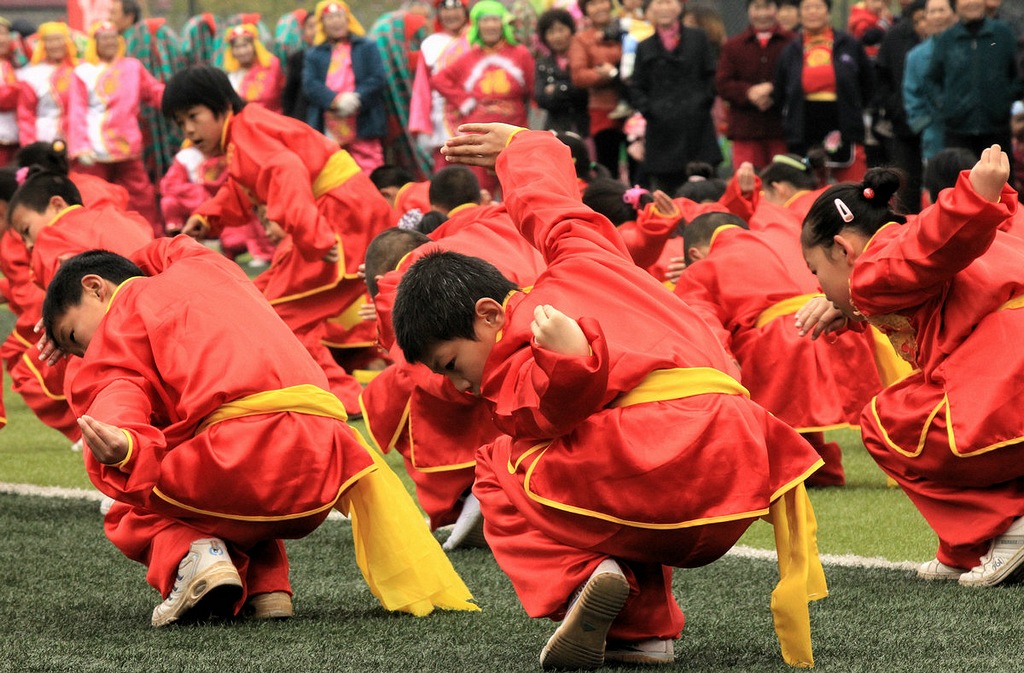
(594, 442)
(748, 288)
(317, 193)
(947, 288)
(412, 195)
(435, 428)
(165, 365)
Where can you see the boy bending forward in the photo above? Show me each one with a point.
(631, 449)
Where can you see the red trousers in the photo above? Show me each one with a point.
(757, 152)
(41, 386)
(131, 174)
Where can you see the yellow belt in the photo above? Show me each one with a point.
(1016, 302)
(784, 307)
(338, 169)
(674, 384)
(301, 399)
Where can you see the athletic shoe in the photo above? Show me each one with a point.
(468, 530)
(207, 584)
(106, 504)
(937, 570)
(653, 651)
(76, 445)
(271, 605)
(1003, 561)
(579, 641)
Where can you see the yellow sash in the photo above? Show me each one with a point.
(784, 307)
(674, 384)
(401, 561)
(338, 169)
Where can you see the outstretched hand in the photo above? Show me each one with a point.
(664, 203)
(819, 316)
(108, 444)
(555, 331)
(49, 352)
(746, 177)
(195, 227)
(990, 174)
(478, 144)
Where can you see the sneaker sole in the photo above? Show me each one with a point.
(212, 595)
(579, 640)
(1010, 571)
(638, 658)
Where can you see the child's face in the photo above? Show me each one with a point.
(73, 331)
(462, 360)
(27, 223)
(202, 127)
(832, 267)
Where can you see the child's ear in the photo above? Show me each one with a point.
(491, 312)
(93, 284)
(846, 246)
(58, 202)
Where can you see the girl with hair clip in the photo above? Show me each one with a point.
(46, 85)
(946, 288)
(53, 156)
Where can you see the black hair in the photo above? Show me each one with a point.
(549, 18)
(702, 189)
(430, 221)
(39, 187)
(791, 3)
(861, 206)
(390, 175)
(774, 2)
(53, 156)
(700, 230)
(828, 3)
(453, 186)
(607, 197)
(916, 6)
(437, 298)
(801, 172)
(65, 290)
(586, 168)
(386, 250)
(8, 183)
(944, 168)
(200, 85)
(131, 8)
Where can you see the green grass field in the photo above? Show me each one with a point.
(69, 601)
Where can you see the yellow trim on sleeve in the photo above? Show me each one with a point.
(513, 135)
(784, 307)
(39, 377)
(62, 213)
(1014, 303)
(131, 450)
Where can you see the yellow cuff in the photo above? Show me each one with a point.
(513, 135)
(131, 450)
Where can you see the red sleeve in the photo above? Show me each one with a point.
(581, 67)
(696, 287)
(164, 252)
(910, 264)
(449, 80)
(229, 207)
(645, 238)
(738, 203)
(27, 103)
(151, 90)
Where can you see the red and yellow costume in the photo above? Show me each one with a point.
(947, 288)
(248, 451)
(412, 195)
(581, 475)
(319, 196)
(748, 288)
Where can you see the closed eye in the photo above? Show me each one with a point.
(450, 367)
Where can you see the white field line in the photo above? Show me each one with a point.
(841, 560)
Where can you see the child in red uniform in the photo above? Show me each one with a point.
(748, 285)
(574, 497)
(212, 466)
(947, 288)
(311, 188)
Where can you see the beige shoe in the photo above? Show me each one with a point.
(1003, 562)
(207, 584)
(936, 570)
(468, 530)
(579, 641)
(271, 605)
(652, 651)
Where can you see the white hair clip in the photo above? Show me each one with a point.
(844, 211)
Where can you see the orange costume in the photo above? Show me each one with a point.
(748, 288)
(947, 288)
(250, 454)
(317, 193)
(583, 472)
(435, 428)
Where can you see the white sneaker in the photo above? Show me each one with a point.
(468, 530)
(937, 570)
(652, 651)
(106, 504)
(207, 584)
(1003, 561)
(579, 641)
(76, 446)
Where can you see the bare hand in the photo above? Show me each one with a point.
(368, 312)
(478, 144)
(333, 255)
(195, 227)
(361, 272)
(675, 268)
(819, 316)
(746, 178)
(107, 443)
(557, 332)
(989, 175)
(664, 204)
(48, 350)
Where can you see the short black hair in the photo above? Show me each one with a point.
(453, 186)
(53, 156)
(39, 187)
(944, 168)
(606, 196)
(131, 8)
(65, 290)
(8, 183)
(701, 228)
(436, 300)
(389, 175)
(430, 221)
(550, 18)
(200, 85)
(702, 184)
(386, 250)
(801, 172)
